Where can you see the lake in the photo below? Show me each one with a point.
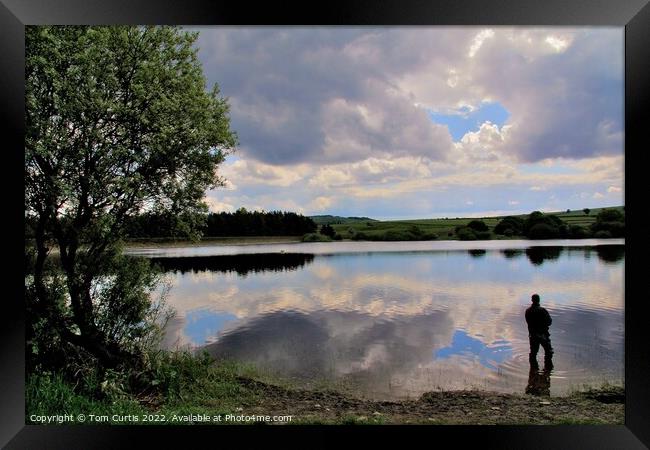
(391, 320)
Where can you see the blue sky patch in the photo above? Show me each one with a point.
(464, 344)
(202, 324)
(463, 120)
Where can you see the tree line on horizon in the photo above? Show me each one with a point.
(160, 225)
(609, 223)
(239, 223)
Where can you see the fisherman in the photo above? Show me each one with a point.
(538, 320)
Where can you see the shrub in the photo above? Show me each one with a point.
(316, 237)
(466, 234)
(392, 235)
(602, 234)
(478, 225)
(514, 224)
(483, 235)
(610, 215)
(543, 231)
(415, 231)
(544, 226)
(610, 220)
(327, 230)
(578, 232)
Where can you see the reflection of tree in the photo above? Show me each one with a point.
(537, 255)
(610, 253)
(476, 253)
(512, 253)
(242, 264)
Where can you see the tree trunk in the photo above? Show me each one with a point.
(90, 338)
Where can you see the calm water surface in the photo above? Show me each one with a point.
(396, 319)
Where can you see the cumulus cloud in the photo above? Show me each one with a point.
(343, 113)
(321, 203)
(562, 104)
(251, 171)
(485, 144)
(331, 94)
(478, 40)
(316, 94)
(218, 206)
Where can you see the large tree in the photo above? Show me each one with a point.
(119, 121)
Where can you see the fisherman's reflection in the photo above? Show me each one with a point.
(539, 382)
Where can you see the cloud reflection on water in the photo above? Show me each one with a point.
(377, 319)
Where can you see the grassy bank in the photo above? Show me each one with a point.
(189, 387)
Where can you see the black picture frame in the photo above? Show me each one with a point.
(634, 15)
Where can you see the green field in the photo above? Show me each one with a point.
(444, 228)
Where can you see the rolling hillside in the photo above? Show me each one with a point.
(444, 228)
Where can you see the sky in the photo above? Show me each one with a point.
(419, 122)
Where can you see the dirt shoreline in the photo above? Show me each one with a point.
(600, 406)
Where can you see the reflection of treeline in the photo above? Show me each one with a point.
(239, 223)
(537, 255)
(610, 253)
(242, 264)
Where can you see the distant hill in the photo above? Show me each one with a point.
(329, 220)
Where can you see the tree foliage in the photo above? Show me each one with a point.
(578, 232)
(466, 234)
(118, 122)
(327, 230)
(258, 223)
(510, 226)
(544, 226)
(477, 225)
(609, 223)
